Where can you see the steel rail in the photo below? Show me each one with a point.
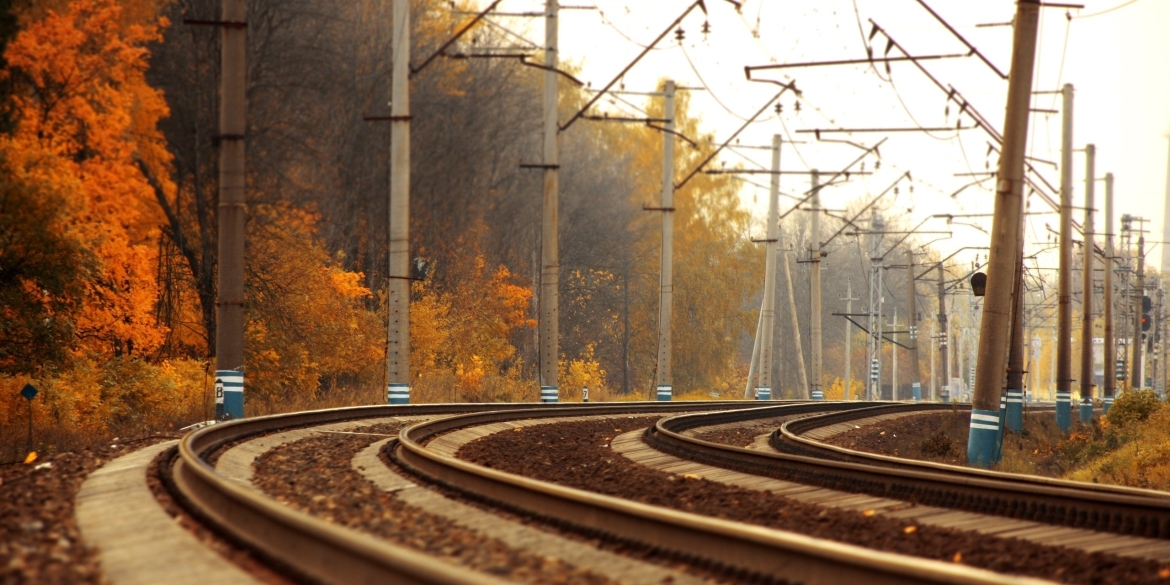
(763, 551)
(1059, 502)
(304, 546)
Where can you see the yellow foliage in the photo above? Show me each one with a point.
(92, 400)
(1142, 461)
(836, 390)
(584, 371)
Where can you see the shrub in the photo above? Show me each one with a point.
(1132, 407)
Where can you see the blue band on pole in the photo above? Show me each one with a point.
(763, 393)
(1015, 410)
(1106, 404)
(1063, 411)
(397, 393)
(549, 394)
(818, 395)
(944, 394)
(665, 392)
(916, 390)
(1086, 410)
(229, 394)
(983, 441)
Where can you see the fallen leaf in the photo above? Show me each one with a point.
(1035, 451)
(882, 433)
(32, 456)
(867, 513)
(1164, 573)
(691, 476)
(958, 558)
(910, 529)
(518, 429)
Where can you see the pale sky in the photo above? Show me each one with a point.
(1118, 60)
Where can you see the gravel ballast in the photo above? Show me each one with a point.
(316, 476)
(578, 455)
(39, 538)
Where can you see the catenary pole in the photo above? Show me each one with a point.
(229, 332)
(1136, 378)
(912, 326)
(1109, 345)
(804, 391)
(849, 298)
(549, 254)
(1087, 378)
(815, 292)
(1064, 279)
(874, 387)
(666, 276)
(1166, 214)
(767, 311)
(398, 338)
(984, 439)
(944, 371)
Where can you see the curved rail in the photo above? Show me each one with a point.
(796, 558)
(308, 547)
(1074, 504)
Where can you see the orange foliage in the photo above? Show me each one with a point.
(466, 331)
(306, 317)
(85, 116)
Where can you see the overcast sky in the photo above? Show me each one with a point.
(1116, 53)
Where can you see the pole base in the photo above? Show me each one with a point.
(916, 390)
(1063, 411)
(1086, 412)
(818, 395)
(1107, 403)
(983, 441)
(1015, 411)
(763, 393)
(397, 393)
(229, 394)
(665, 393)
(549, 394)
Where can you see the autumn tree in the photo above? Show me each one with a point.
(85, 119)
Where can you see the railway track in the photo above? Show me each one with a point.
(309, 548)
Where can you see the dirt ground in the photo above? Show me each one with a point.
(942, 438)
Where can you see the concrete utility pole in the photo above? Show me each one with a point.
(804, 391)
(398, 338)
(944, 370)
(666, 276)
(984, 439)
(912, 326)
(849, 298)
(874, 388)
(1087, 377)
(767, 309)
(233, 126)
(815, 292)
(1109, 344)
(894, 360)
(1166, 214)
(549, 255)
(1012, 404)
(1156, 343)
(1136, 381)
(754, 362)
(1064, 278)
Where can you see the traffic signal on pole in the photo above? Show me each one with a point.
(1147, 305)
